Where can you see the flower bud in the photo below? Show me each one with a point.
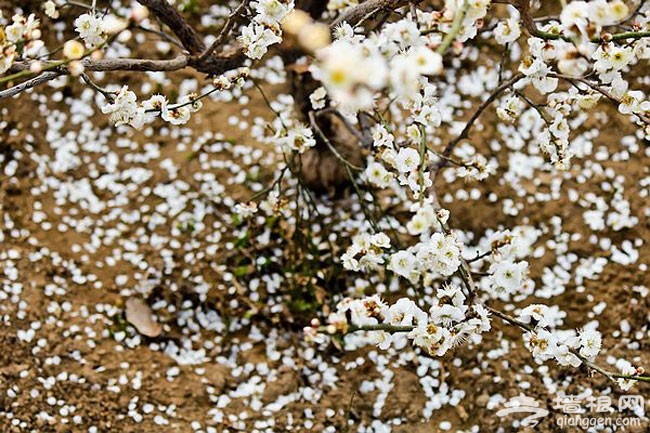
(222, 82)
(73, 50)
(443, 215)
(75, 68)
(36, 67)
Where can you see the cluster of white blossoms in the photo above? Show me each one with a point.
(91, 29)
(572, 47)
(535, 68)
(19, 39)
(392, 85)
(510, 109)
(230, 80)
(273, 205)
(355, 69)
(452, 316)
(287, 133)
(435, 255)
(610, 61)
(297, 138)
(401, 164)
(563, 346)
(366, 252)
(586, 19)
(449, 322)
(472, 13)
(124, 108)
(264, 29)
(507, 274)
(392, 76)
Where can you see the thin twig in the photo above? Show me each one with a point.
(465, 132)
(225, 30)
(108, 95)
(353, 15)
(599, 89)
(337, 154)
(162, 34)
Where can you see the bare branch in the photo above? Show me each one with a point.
(136, 64)
(213, 65)
(216, 64)
(103, 65)
(176, 23)
(353, 15)
(33, 82)
(225, 31)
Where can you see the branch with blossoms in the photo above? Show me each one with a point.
(266, 21)
(262, 31)
(433, 332)
(455, 316)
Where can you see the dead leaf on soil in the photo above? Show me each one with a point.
(139, 314)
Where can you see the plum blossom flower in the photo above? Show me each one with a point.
(73, 49)
(89, 27)
(511, 109)
(299, 139)
(256, 40)
(271, 12)
(405, 312)
(407, 160)
(626, 368)
(403, 263)
(507, 31)
(424, 60)
(632, 102)
(590, 343)
(543, 344)
(317, 98)
(49, 8)
(177, 115)
(122, 110)
(377, 175)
